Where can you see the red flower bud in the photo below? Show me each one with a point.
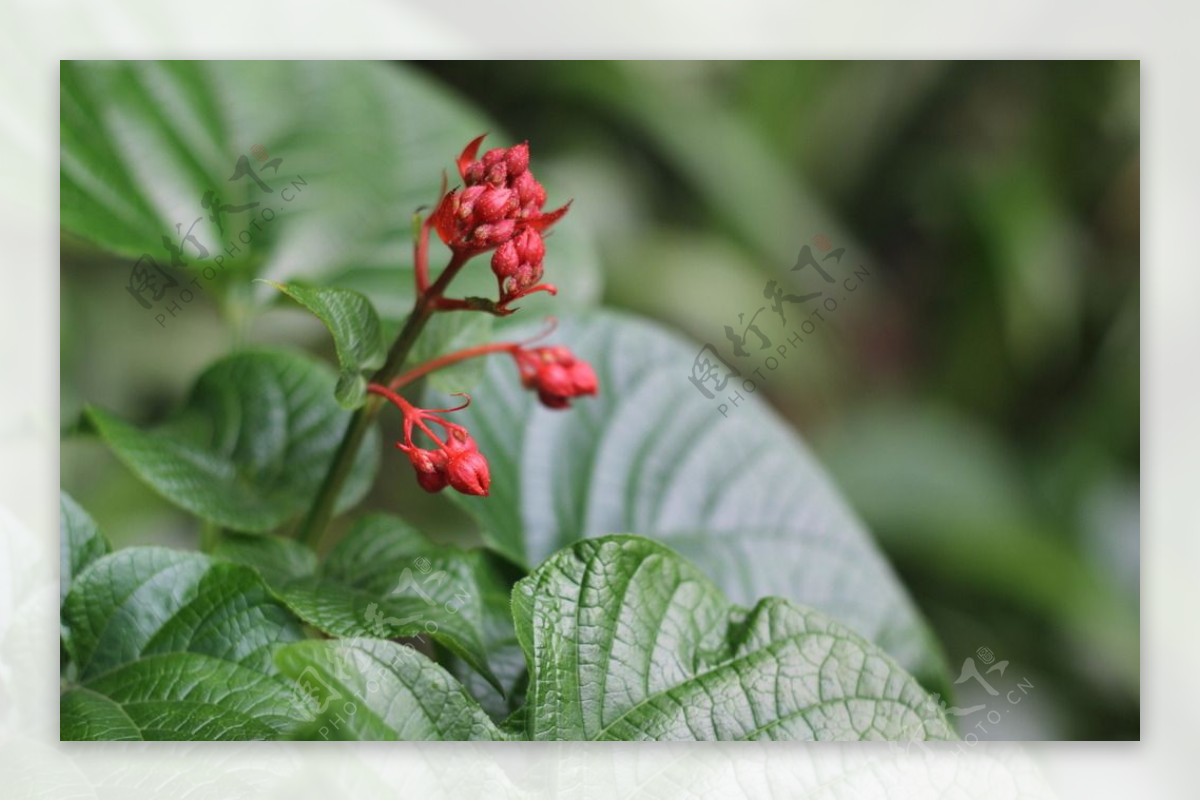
(517, 159)
(530, 192)
(551, 401)
(583, 378)
(494, 204)
(467, 471)
(556, 375)
(554, 379)
(496, 175)
(466, 201)
(505, 260)
(430, 467)
(490, 234)
(524, 277)
(530, 246)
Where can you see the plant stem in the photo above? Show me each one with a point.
(321, 511)
(448, 359)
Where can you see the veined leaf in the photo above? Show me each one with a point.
(80, 544)
(174, 645)
(740, 496)
(251, 446)
(179, 696)
(277, 559)
(378, 690)
(626, 640)
(143, 601)
(385, 580)
(355, 327)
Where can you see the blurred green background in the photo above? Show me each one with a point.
(977, 400)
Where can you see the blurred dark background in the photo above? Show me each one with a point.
(977, 400)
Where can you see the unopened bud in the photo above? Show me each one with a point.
(430, 467)
(505, 260)
(495, 204)
(554, 379)
(530, 246)
(530, 192)
(467, 471)
(517, 159)
(495, 233)
(583, 378)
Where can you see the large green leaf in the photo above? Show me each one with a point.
(144, 601)
(386, 580)
(367, 689)
(277, 559)
(626, 640)
(81, 542)
(250, 447)
(741, 496)
(357, 334)
(142, 142)
(179, 696)
(174, 645)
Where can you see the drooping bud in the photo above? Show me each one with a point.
(583, 378)
(556, 375)
(467, 471)
(554, 379)
(430, 467)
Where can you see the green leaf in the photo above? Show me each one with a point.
(142, 142)
(175, 645)
(355, 327)
(386, 580)
(627, 641)
(494, 579)
(179, 696)
(277, 559)
(145, 601)
(378, 690)
(250, 448)
(80, 544)
(87, 715)
(741, 496)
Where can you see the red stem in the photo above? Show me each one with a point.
(378, 389)
(449, 359)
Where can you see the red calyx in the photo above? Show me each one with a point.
(556, 375)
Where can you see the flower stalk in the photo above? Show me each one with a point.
(498, 209)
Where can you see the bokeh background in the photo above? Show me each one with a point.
(977, 400)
